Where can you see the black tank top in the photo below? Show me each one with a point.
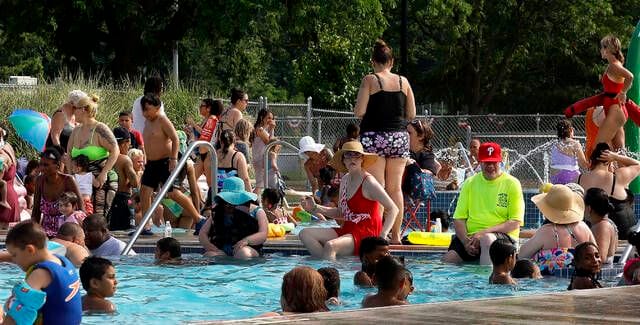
(385, 110)
(65, 134)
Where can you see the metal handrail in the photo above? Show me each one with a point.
(169, 184)
(266, 157)
(627, 251)
(466, 158)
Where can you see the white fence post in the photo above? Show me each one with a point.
(309, 121)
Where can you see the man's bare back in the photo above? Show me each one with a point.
(127, 177)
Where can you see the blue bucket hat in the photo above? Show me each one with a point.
(233, 192)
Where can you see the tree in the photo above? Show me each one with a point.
(480, 56)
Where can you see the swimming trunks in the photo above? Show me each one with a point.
(156, 173)
(386, 144)
(120, 215)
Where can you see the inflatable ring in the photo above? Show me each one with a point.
(288, 227)
(276, 230)
(430, 238)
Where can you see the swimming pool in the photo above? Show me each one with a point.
(226, 289)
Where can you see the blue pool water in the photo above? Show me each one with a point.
(226, 289)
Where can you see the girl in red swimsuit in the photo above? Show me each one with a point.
(360, 194)
(616, 80)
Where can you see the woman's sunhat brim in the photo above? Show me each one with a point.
(337, 162)
(237, 198)
(562, 217)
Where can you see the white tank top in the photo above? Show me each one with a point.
(85, 183)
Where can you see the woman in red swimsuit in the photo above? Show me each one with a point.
(360, 194)
(616, 80)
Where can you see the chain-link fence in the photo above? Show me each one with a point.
(526, 138)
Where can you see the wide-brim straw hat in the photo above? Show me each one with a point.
(560, 205)
(354, 146)
(307, 143)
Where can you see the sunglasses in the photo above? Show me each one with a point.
(352, 155)
(417, 124)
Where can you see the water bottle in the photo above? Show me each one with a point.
(438, 226)
(167, 229)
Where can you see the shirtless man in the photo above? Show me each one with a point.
(162, 155)
(231, 115)
(120, 215)
(71, 236)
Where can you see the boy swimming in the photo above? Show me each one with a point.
(49, 293)
(99, 281)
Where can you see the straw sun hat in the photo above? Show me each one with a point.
(354, 146)
(560, 205)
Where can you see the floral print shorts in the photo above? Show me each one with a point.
(386, 144)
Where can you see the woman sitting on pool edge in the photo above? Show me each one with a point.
(233, 229)
(358, 206)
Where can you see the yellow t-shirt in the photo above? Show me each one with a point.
(483, 203)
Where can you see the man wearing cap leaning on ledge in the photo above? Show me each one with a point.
(490, 206)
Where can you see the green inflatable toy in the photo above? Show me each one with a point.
(632, 136)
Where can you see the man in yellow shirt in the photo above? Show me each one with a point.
(490, 206)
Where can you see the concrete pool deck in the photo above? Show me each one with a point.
(618, 305)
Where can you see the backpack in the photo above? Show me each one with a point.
(417, 184)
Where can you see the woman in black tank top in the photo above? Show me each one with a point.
(620, 196)
(385, 104)
(236, 166)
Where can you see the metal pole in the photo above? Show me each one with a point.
(309, 122)
(319, 131)
(169, 184)
(466, 158)
(627, 251)
(175, 63)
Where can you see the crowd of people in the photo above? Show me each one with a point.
(91, 180)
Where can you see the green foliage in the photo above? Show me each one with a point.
(477, 56)
(510, 56)
(114, 98)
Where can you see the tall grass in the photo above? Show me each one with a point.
(179, 102)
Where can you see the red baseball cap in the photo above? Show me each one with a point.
(490, 152)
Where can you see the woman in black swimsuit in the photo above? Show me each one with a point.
(615, 183)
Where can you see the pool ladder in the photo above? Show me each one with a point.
(627, 251)
(169, 184)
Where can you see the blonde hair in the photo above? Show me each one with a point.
(614, 46)
(303, 291)
(90, 103)
(135, 153)
(243, 130)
